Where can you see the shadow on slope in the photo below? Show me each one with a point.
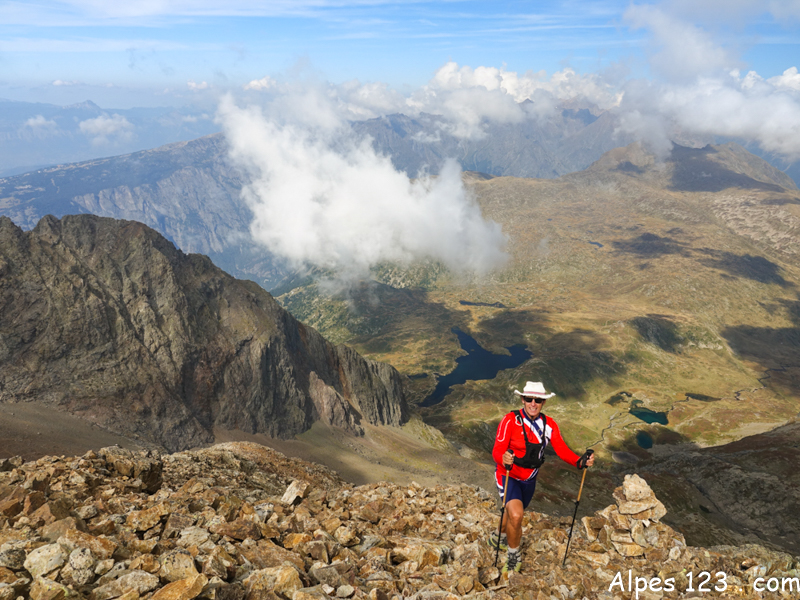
(744, 266)
(566, 361)
(650, 245)
(659, 330)
(695, 171)
(744, 491)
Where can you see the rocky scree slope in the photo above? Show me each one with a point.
(242, 521)
(109, 321)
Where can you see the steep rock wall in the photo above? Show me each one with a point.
(108, 320)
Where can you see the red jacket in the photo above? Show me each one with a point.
(509, 436)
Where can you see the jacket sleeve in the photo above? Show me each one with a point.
(502, 440)
(560, 446)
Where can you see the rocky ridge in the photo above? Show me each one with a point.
(241, 521)
(108, 321)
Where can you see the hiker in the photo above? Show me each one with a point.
(519, 447)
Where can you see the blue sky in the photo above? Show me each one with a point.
(174, 52)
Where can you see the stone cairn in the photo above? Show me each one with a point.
(631, 527)
(241, 522)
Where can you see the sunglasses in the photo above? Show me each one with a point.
(527, 399)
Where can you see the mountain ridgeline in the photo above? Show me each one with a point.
(190, 192)
(107, 320)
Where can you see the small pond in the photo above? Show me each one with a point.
(647, 415)
(478, 364)
(644, 439)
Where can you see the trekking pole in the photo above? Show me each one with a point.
(575, 514)
(500, 527)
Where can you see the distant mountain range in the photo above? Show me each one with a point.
(190, 192)
(569, 141)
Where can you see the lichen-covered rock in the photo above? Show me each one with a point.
(183, 589)
(282, 580)
(46, 589)
(177, 564)
(296, 491)
(45, 559)
(138, 581)
(13, 558)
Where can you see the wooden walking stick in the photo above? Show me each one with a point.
(575, 514)
(500, 527)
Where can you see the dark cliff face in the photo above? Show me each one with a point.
(108, 320)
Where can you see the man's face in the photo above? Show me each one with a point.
(532, 408)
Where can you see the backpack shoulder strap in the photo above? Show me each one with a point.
(521, 418)
(544, 429)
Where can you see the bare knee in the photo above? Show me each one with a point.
(515, 512)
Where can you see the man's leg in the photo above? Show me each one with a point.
(512, 522)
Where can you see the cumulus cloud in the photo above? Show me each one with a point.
(105, 129)
(790, 79)
(322, 197)
(203, 85)
(39, 122)
(39, 127)
(470, 97)
(701, 90)
(736, 106)
(467, 98)
(265, 83)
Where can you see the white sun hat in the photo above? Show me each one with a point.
(534, 388)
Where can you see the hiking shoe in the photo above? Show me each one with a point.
(496, 542)
(513, 563)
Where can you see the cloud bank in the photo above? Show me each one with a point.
(322, 197)
(105, 129)
(701, 90)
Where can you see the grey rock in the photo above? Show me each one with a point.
(45, 559)
(140, 581)
(188, 347)
(13, 558)
(82, 558)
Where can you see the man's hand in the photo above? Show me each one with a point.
(587, 460)
(508, 459)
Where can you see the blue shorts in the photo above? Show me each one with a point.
(517, 490)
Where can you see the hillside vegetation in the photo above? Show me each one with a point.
(667, 290)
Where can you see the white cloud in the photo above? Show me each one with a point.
(265, 83)
(106, 129)
(790, 79)
(470, 97)
(203, 85)
(319, 196)
(749, 107)
(60, 83)
(39, 127)
(680, 51)
(39, 122)
(467, 98)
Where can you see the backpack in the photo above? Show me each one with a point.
(534, 453)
